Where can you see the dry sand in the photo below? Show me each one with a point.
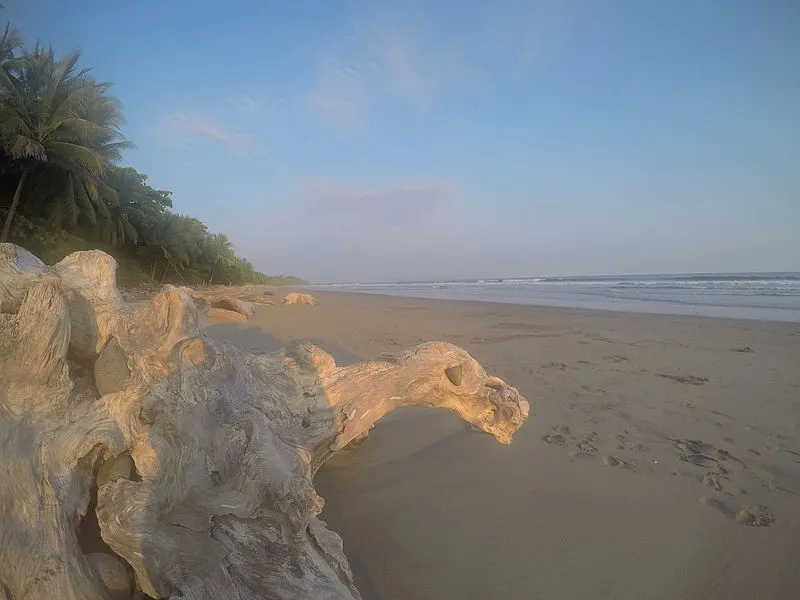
(601, 495)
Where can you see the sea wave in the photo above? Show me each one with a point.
(748, 295)
(777, 282)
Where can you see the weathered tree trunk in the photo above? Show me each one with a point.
(13, 208)
(295, 298)
(138, 454)
(243, 307)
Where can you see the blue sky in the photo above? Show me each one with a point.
(374, 140)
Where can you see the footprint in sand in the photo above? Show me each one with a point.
(753, 515)
(587, 446)
(685, 379)
(556, 365)
(615, 358)
(701, 453)
(562, 436)
(559, 436)
(624, 443)
(556, 439)
(710, 457)
(616, 461)
(713, 481)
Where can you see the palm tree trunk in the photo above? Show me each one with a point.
(13, 208)
(178, 273)
(213, 268)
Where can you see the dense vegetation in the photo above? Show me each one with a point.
(62, 187)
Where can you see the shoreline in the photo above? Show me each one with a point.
(609, 313)
(625, 305)
(604, 492)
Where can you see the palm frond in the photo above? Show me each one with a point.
(93, 189)
(83, 199)
(10, 42)
(76, 155)
(12, 123)
(73, 101)
(15, 96)
(113, 151)
(61, 73)
(128, 229)
(20, 146)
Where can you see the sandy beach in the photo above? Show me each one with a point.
(661, 459)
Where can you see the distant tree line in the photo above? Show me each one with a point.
(62, 189)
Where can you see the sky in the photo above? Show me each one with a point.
(347, 141)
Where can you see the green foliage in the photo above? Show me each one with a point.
(51, 246)
(283, 280)
(58, 124)
(130, 274)
(61, 188)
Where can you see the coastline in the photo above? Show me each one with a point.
(768, 297)
(320, 293)
(596, 497)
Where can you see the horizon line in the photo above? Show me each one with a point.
(730, 274)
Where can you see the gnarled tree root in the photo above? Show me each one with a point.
(138, 454)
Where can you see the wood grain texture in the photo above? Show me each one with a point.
(195, 466)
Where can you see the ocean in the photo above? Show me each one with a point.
(764, 296)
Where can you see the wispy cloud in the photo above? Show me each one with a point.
(185, 129)
(400, 60)
(524, 31)
(248, 105)
(397, 205)
(340, 97)
(420, 58)
(385, 62)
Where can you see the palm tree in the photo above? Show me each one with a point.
(141, 205)
(52, 114)
(220, 246)
(172, 243)
(10, 42)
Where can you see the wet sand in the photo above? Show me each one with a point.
(662, 458)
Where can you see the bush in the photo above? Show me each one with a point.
(50, 246)
(131, 275)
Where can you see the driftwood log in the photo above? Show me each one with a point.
(295, 298)
(243, 307)
(139, 458)
(228, 306)
(226, 315)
